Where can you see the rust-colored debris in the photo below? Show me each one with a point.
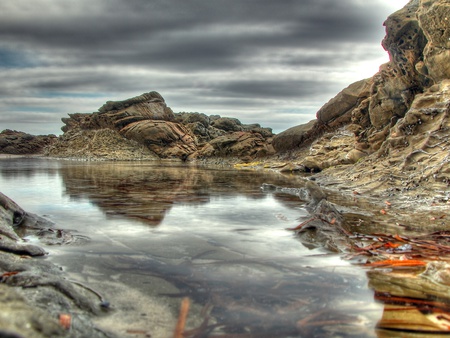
(65, 320)
(184, 309)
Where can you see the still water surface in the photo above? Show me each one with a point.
(151, 234)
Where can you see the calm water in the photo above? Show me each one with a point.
(159, 232)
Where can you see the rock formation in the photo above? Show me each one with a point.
(144, 127)
(19, 143)
(34, 292)
(394, 126)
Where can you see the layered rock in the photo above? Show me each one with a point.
(144, 127)
(392, 128)
(34, 292)
(19, 143)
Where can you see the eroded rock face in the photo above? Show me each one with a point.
(434, 20)
(144, 127)
(399, 117)
(245, 145)
(167, 139)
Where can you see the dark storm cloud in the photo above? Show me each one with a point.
(173, 33)
(292, 53)
(273, 88)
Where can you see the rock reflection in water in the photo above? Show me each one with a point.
(147, 192)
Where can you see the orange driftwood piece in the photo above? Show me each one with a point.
(397, 263)
(184, 309)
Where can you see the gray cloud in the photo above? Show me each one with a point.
(249, 58)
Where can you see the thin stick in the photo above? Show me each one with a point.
(184, 309)
(301, 225)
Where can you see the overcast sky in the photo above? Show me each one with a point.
(262, 61)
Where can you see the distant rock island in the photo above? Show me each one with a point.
(144, 127)
(392, 128)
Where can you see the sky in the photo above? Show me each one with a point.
(262, 61)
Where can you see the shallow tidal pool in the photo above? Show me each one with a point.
(151, 234)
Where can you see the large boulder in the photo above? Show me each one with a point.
(294, 137)
(341, 106)
(167, 139)
(334, 114)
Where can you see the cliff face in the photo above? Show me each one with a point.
(144, 127)
(393, 127)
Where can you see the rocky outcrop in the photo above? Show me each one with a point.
(144, 127)
(19, 143)
(244, 145)
(295, 137)
(334, 114)
(35, 292)
(390, 130)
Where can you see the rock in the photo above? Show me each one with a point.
(337, 112)
(294, 137)
(433, 18)
(104, 144)
(398, 82)
(34, 292)
(188, 118)
(144, 127)
(341, 106)
(148, 105)
(238, 144)
(166, 139)
(399, 124)
(17, 315)
(19, 143)
(8, 245)
(227, 124)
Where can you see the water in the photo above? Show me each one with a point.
(160, 232)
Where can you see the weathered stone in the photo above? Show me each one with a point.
(294, 137)
(106, 144)
(227, 124)
(34, 292)
(434, 19)
(20, 143)
(238, 144)
(166, 139)
(344, 102)
(146, 121)
(150, 104)
(187, 118)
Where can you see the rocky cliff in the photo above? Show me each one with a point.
(144, 127)
(390, 131)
